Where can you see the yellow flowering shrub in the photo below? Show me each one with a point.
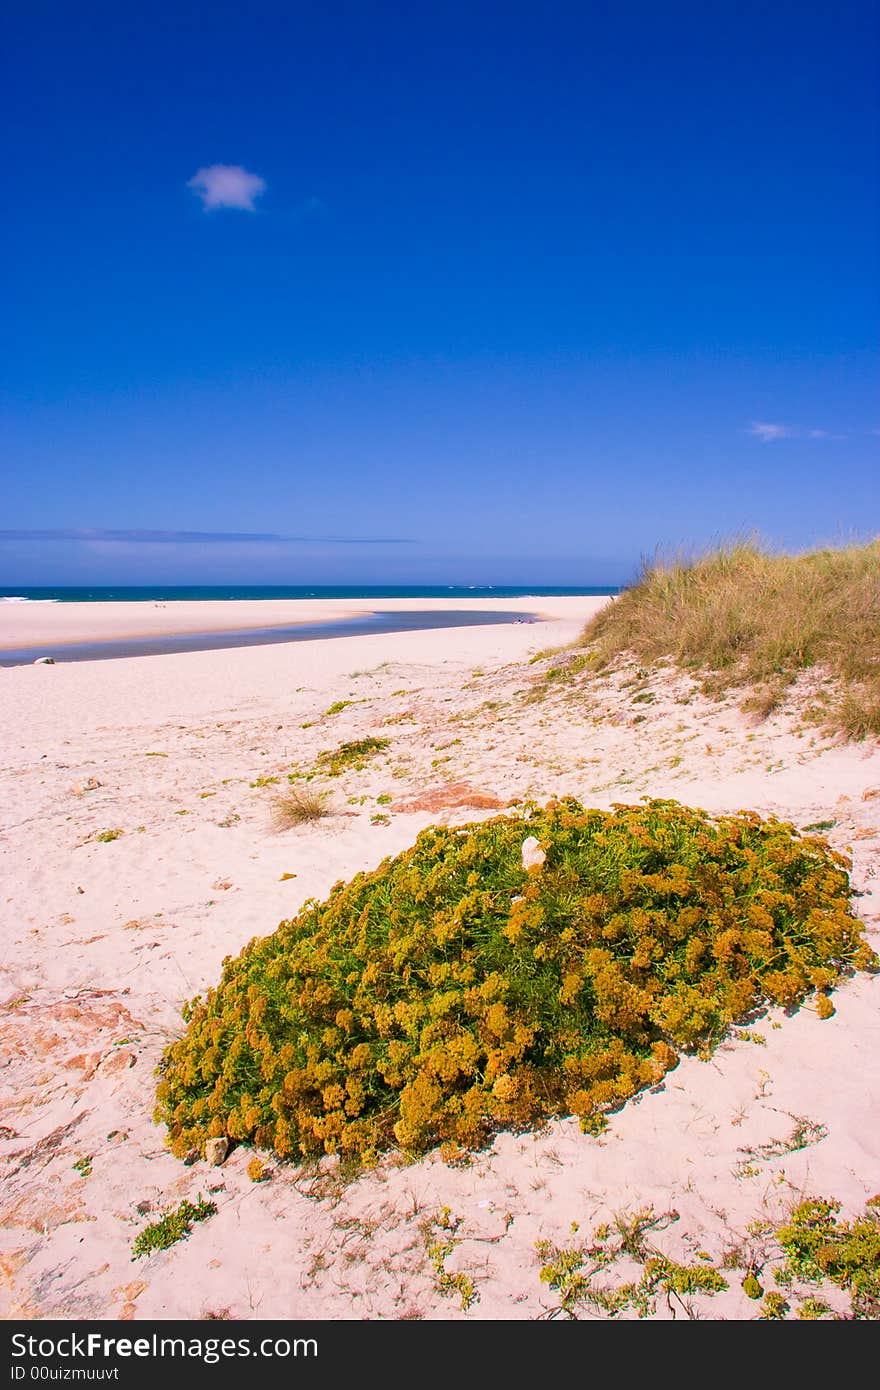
(452, 992)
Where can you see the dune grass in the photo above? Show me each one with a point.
(298, 808)
(746, 619)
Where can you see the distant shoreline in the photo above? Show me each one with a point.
(252, 593)
(355, 625)
(31, 630)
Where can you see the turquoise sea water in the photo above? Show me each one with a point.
(161, 593)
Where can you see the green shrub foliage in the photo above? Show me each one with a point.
(451, 992)
(818, 1247)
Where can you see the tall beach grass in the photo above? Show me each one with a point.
(745, 619)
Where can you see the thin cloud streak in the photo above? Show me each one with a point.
(768, 433)
(196, 537)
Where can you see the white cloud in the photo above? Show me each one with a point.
(767, 432)
(227, 186)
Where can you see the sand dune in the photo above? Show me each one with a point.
(104, 938)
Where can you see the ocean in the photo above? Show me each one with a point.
(164, 593)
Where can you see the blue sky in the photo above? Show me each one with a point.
(474, 293)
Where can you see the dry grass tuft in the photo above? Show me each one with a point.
(298, 808)
(745, 619)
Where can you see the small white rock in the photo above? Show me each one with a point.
(532, 854)
(216, 1151)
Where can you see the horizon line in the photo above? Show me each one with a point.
(157, 537)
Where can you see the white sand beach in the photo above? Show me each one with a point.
(57, 624)
(61, 624)
(104, 939)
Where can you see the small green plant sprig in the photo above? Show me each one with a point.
(441, 1239)
(175, 1225)
(813, 1250)
(350, 756)
(572, 1271)
(819, 1248)
(453, 992)
(337, 707)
